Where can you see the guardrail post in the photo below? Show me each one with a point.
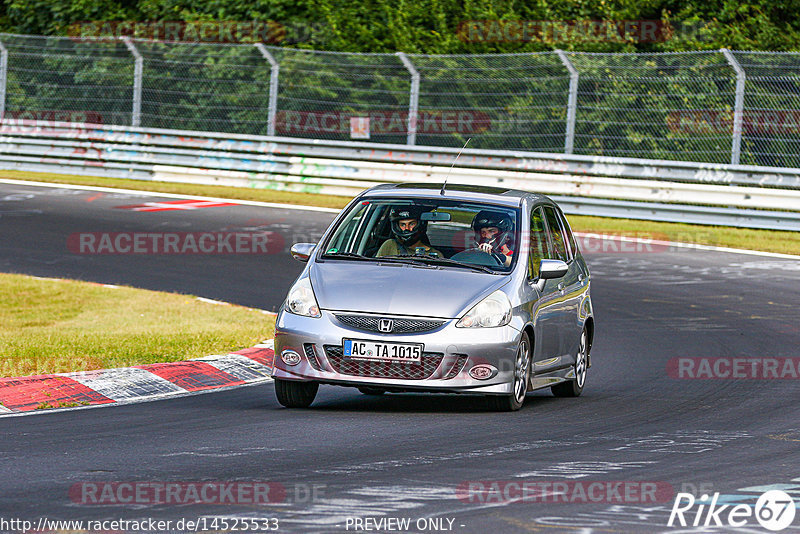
(274, 72)
(413, 100)
(572, 102)
(138, 69)
(738, 112)
(3, 79)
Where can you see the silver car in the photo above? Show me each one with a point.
(417, 288)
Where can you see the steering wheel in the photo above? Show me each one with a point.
(476, 256)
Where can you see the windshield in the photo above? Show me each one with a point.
(426, 232)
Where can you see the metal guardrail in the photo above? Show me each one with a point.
(732, 195)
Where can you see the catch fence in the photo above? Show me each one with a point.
(721, 106)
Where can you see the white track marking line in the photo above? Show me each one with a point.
(170, 195)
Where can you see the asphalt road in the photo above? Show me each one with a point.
(405, 456)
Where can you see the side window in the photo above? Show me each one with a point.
(538, 243)
(342, 240)
(573, 246)
(556, 235)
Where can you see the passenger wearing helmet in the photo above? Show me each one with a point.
(409, 235)
(494, 235)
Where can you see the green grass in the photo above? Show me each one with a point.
(766, 240)
(57, 326)
(50, 406)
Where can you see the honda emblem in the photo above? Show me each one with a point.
(386, 325)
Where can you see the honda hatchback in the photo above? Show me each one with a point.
(462, 289)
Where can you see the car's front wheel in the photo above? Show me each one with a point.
(519, 386)
(293, 394)
(574, 387)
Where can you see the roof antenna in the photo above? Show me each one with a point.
(453, 165)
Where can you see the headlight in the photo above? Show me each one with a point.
(494, 310)
(301, 300)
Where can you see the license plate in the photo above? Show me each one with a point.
(360, 349)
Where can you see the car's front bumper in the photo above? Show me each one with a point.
(455, 351)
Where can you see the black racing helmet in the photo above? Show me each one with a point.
(408, 237)
(497, 219)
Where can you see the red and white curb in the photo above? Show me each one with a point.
(136, 384)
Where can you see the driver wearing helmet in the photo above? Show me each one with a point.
(409, 235)
(494, 235)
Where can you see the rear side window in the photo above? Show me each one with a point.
(557, 237)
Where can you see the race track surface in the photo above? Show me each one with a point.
(641, 420)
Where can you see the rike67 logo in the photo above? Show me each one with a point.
(774, 510)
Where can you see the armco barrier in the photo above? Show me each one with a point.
(734, 195)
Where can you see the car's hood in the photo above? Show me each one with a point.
(399, 289)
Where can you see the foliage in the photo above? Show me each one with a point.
(432, 26)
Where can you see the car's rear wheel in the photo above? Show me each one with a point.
(371, 391)
(519, 385)
(295, 394)
(574, 387)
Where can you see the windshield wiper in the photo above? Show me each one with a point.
(406, 260)
(402, 258)
(454, 263)
(347, 255)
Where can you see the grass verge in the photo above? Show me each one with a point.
(58, 326)
(721, 236)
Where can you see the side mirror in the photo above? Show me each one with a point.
(302, 251)
(549, 269)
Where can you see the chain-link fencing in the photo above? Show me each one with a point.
(713, 106)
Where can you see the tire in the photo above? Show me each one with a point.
(574, 387)
(366, 390)
(293, 394)
(519, 386)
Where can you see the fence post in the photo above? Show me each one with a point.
(136, 114)
(3, 79)
(572, 102)
(413, 100)
(274, 72)
(738, 112)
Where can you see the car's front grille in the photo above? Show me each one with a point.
(311, 355)
(376, 369)
(458, 365)
(399, 325)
